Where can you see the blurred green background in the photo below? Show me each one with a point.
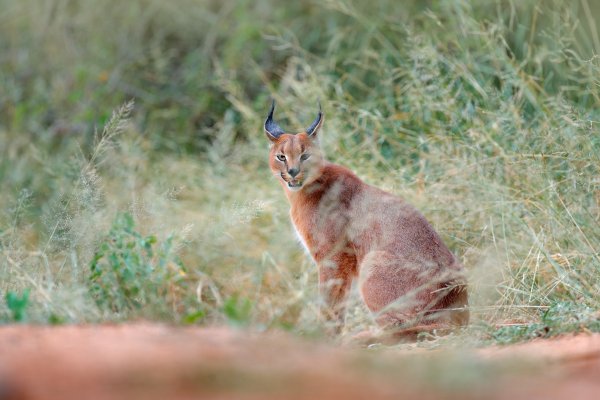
(484, 114)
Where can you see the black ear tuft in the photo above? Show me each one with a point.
(272, 130)
(314, 127)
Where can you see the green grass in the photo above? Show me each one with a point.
(483, 114)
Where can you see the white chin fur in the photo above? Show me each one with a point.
(293, 188)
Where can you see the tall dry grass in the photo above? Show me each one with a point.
(484, 115)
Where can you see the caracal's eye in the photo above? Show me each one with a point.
(280, 157)
(304, 156)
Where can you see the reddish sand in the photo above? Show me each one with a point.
(145, 361)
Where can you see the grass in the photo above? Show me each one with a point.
(482, 114)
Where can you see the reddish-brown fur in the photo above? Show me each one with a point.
(407, 276)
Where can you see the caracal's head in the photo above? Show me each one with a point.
(295, 159)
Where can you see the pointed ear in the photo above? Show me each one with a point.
(316, 125)
(272, 130)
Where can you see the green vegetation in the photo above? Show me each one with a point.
(131, 272)
(484, 114)
(17, 304)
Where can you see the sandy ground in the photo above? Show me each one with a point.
(148, 361)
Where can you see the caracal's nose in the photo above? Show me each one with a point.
(293, 172)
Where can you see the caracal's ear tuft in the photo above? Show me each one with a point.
(316, 125)
(272, 130)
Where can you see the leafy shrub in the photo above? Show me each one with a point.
(133, 272)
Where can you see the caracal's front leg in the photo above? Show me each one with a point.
(335, 279)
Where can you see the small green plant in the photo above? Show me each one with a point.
(17, 304)
(560, 317)
(237, 310)
(194, 317)
(131, 271)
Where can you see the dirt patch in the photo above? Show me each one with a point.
(155, 361)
